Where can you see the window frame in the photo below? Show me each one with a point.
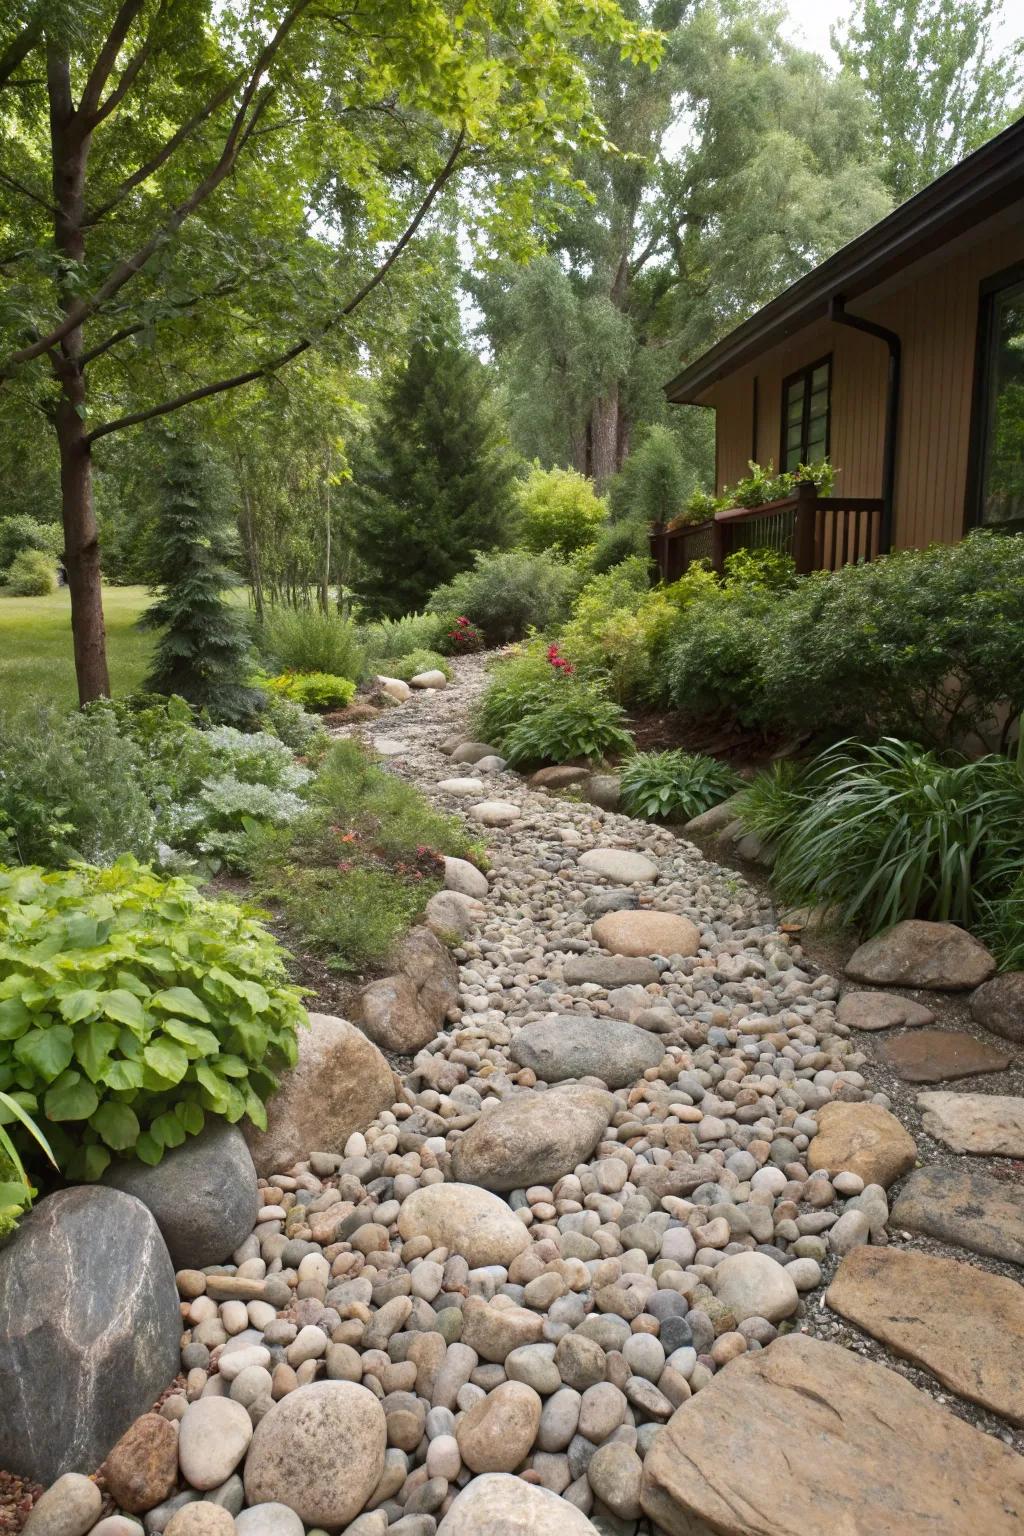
(805, 375)
(981, 398)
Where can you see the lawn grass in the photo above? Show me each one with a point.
(36, 659)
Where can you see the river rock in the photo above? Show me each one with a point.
(471, 752)
(450, 916)
(268, 1520)
(919, 954)
(320, 1450)
(532, 1138)
(494, 1332)
(202, 1194)
(879, 1454)
(497, 1433)
(558, 776)
(709, 823)
(69, 1507)
(619, 866)
(963, 1324)
(881, 1010)
(465, 1219)
(999, 1006)
(338, 1085)
(646, 933)
(961, 1206)
(389, 1012)
(89, 1329)
(609, 971)
(462, 788)
(204, 1518)
(604, 789)
(213, 1436)
(568, 1045)
(495, 813)
(433, 678)
(936, 1055)
(991, 1124)
(500, 1505)
(395, 688)
(463, 877)
(142, 1469)
(753, 1285)
(864, 1139)
(429, 965)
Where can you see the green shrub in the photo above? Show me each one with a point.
(131, 1006)
(31, 574)
(615, 630)
(653, 483)
(715, 652)
(317, 691)
(891, 831)
(352, 916)
(559, 510)
(23, 532)
(290, 723)
(773, 799)
(520, 684)
(307, 639)
(576, 721)
(617, 543)
(383, 810)
(397, 637)
(509, 592)
(1000, 925)
(674, 786)
(414, 662)
(461, 637)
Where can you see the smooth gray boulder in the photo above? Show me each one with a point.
(532, 1138)
(569, 1045)
(203, 1194)
(89, 1329)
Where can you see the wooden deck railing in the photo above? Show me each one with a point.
(821, 533)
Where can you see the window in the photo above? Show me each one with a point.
(806, 415)
(998, 468)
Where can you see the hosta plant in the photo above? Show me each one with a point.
(131, 1007)
(673, 786)
(575, 722)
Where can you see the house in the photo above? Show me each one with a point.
(901, 359)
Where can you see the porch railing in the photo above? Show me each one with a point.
(821, 533)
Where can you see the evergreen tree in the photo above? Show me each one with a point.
(202, 652)
(437, 484)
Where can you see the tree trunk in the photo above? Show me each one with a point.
(69, 147)
(325, 579)
(604, 432)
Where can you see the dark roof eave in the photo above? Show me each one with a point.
(978, 187)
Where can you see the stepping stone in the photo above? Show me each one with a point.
(619, 866)
(609, 971)
(962, 1206)
(646, 933)
(804, 1438)
(935, 1055)
(975, 1122)
(532, 1138)
(493, 764)
(462, 786)
(389, 746)
(881, 1010)
(568, 1045)
(963, 1324)
(559, 777)
(495, 813)
(999, 1006)
(918, 954)
(864, 1139)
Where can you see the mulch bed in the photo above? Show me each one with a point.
(667, 730)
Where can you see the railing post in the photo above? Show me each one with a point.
(805, 527)
(721, 544)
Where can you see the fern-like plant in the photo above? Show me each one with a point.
(674, 786)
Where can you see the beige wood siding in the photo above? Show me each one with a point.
(934, 309)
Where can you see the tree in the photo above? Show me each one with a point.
(437, 482)
(187, 181)
(653, 484)
(743, 163)
(203, 652)
(937, 82)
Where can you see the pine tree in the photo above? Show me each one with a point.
(202, 652)
(438, 482)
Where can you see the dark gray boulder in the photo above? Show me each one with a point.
(89, 1329)
(203, 1194)
(999, 1006)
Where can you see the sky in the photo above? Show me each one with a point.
(811, 20)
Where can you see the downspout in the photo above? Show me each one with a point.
(838, 314)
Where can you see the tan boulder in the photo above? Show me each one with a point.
(498, 1432)
(999, 1005)
(864, 1139)
(646, 933)
(963, 1324)
(497, 1504)
(804, 1438)
(465, 1220)
(494, 1331)
(338, 1085)
(919, 954)
(532, 1138)
(320, 1450)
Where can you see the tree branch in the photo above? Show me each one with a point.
(219, 291)
(265, 370)
(20, 48)
(104, 64)
(241, 126)
(27, 192)
(129, 74)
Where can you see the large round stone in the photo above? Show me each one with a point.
(999, 1006)
(213, 1436)
(496, 813)
(619, 866)
(320, 1450)
(142, 1469)
(498, 1432)
(338, 1085)
(501, 1505)
(753, 1285)
(865, 1139)
(532, 1138)
(465, 878)
(203, 1194)
(466, 1220)
(567, 1045)
(646, 933)
(921, 954)
(89, 1329)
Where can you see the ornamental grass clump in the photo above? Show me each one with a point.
(131, 1007)
(674, 786)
